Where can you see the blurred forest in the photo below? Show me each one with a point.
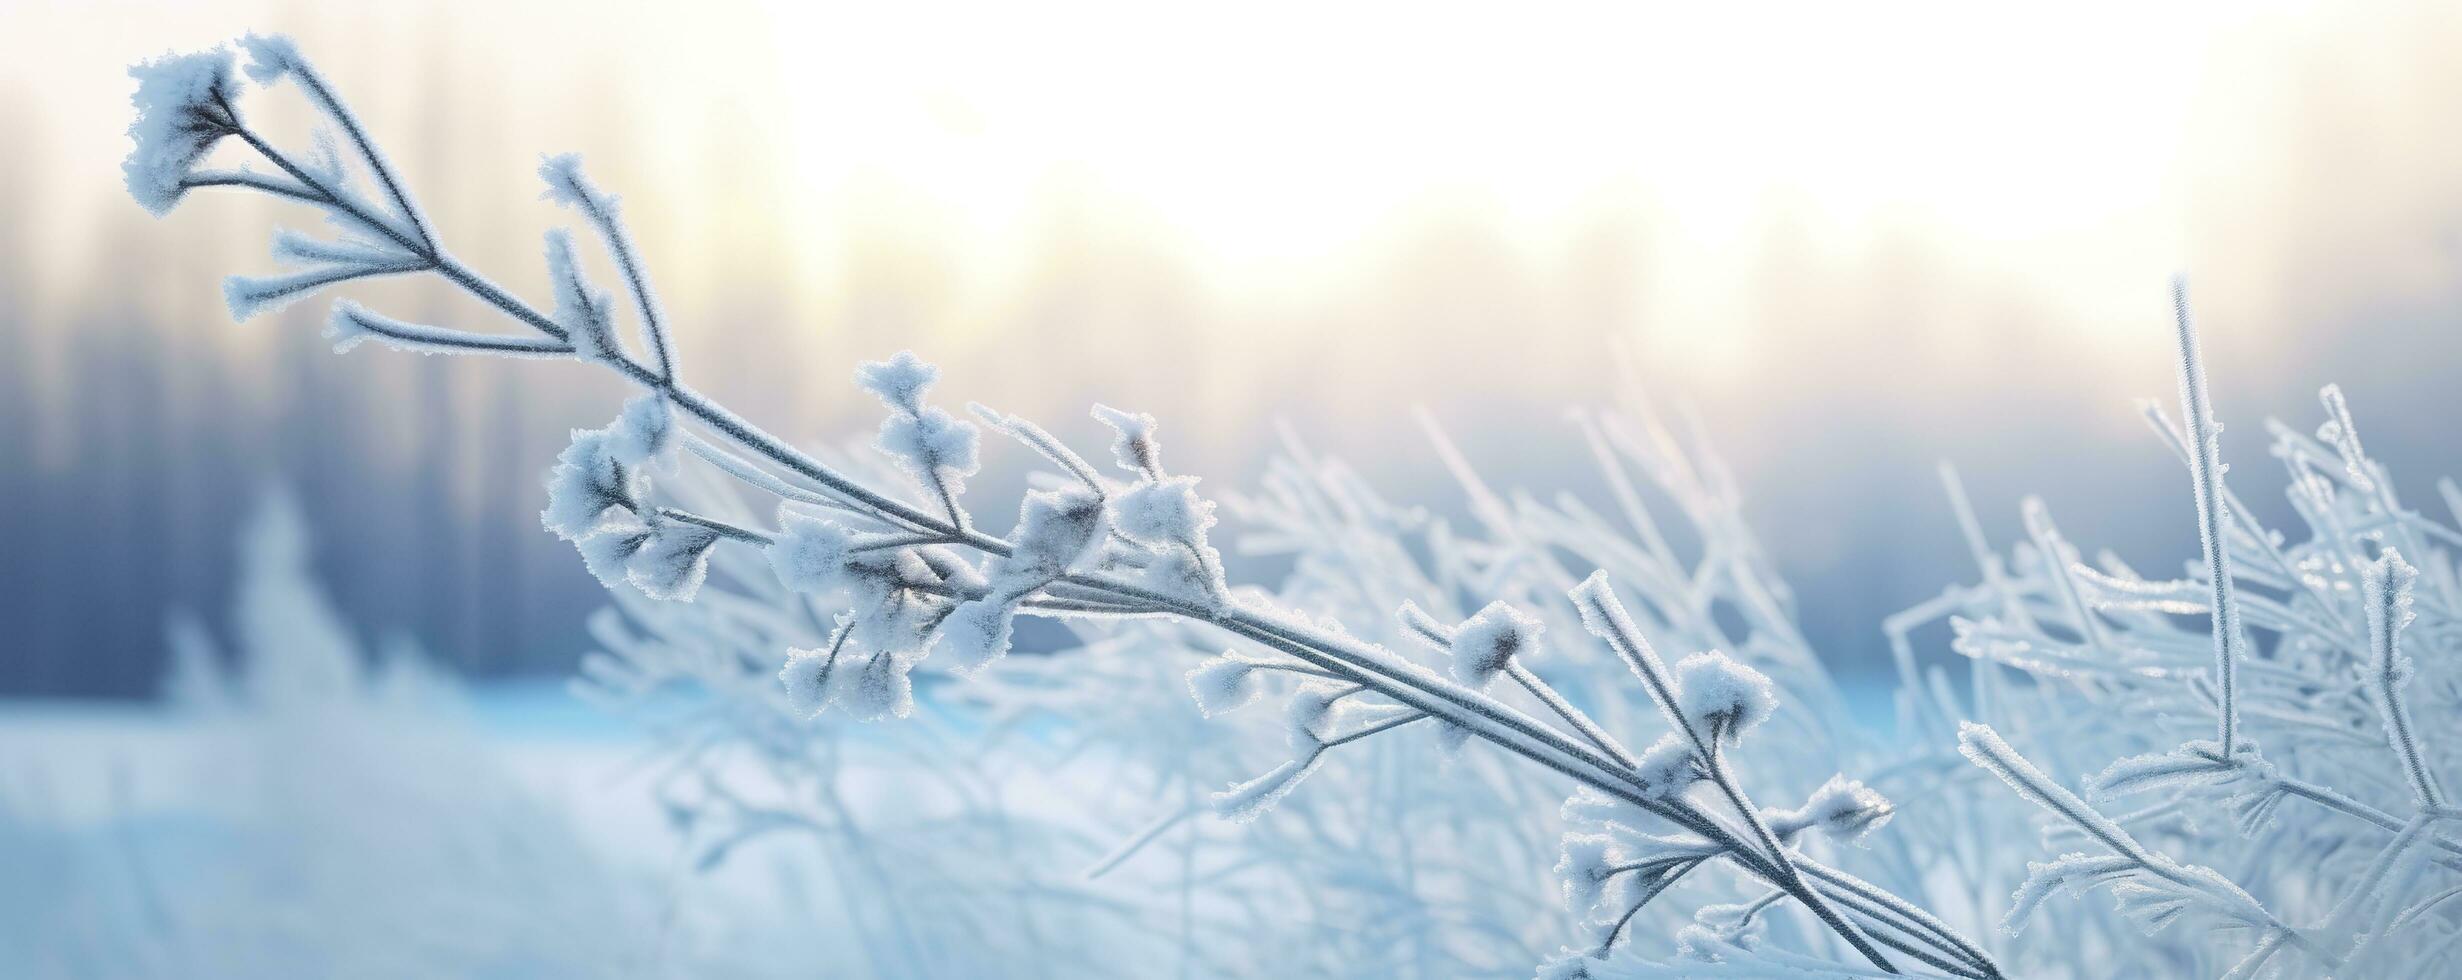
(796, 222)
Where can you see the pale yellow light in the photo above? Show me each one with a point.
(1271, 139)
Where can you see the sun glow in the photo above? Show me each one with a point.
(1278, 147)
(1278, 134)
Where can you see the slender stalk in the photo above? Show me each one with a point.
(2204, 470)
(440, 340)
(1656, 888)
(1573, 716)
(1378, 728)
(901, 541)
(257, 182)
(724, 529)
(2330, 799)
(2387, 592)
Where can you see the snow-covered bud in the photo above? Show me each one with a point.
(1132, 443)
(1163, 513)
(566, 187)
(881, 687)
(1182, 573)
(1668, 766)
(643, 431)
(247, 296)
(583, 311)
(809, 554)
(584, 486)
(674, 561)
(345, 329)
(806, 677)
(1842, 808)
(899, 381)
(1722, 696)
(1484, 644)
(974, 634)
(182, 111)
(663, 557)
(1698, 943)
(607, 551)
(1567, 965)
(1585, 866)
(2339, 432)
(1054, 529)
(886, 615)
(1223, 684)
(934, 445)
(2385, 587)
(1310, 714)
(270, 57)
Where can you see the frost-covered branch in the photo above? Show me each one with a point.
(2150, 887)
(922, 581)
